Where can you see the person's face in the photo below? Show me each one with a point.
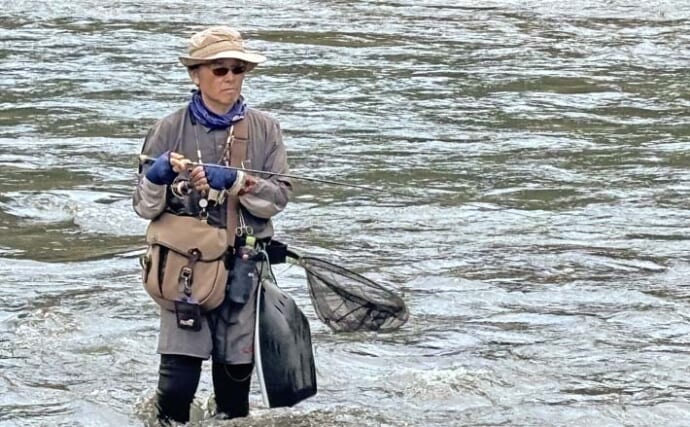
(220, 82)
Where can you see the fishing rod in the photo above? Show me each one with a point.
(145, 158)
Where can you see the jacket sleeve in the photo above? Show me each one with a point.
(149, 199)
(270, 196)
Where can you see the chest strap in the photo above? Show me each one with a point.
(236, 153)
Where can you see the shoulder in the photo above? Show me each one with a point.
(261, 118)
(263, 126)
(170, 121)
(163, 134)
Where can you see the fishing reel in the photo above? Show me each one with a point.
(182, 188)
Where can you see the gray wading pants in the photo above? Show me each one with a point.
(227, 333)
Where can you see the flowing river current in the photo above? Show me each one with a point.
(542, 245)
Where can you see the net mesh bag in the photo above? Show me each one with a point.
(346, 301)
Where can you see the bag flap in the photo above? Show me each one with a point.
(183, 233)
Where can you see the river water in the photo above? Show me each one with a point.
(542, 247)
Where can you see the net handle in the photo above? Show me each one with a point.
(292, 254)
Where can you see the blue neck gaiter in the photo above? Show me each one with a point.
(211, 120)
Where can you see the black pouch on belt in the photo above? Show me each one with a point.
(243, 275)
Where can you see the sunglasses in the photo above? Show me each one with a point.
(235, 69)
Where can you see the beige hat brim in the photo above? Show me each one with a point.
(250, 57)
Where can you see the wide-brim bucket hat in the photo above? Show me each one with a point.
(219, 42)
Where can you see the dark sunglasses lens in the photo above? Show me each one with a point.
(221, 71)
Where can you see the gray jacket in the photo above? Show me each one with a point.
(230, 343)
(265, 152)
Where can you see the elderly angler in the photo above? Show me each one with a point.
(205, 223)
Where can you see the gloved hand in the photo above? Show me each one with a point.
(220, 178)
(161, 173)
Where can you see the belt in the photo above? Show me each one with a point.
(276, 251)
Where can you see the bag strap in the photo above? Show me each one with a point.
(237, 143)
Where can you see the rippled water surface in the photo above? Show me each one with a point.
(542, 245)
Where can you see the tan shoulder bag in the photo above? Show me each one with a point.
(185, 257)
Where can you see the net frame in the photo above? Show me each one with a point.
(380, 309)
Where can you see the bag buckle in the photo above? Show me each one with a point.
(186, 273)
(185, 280)
(194, 255)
